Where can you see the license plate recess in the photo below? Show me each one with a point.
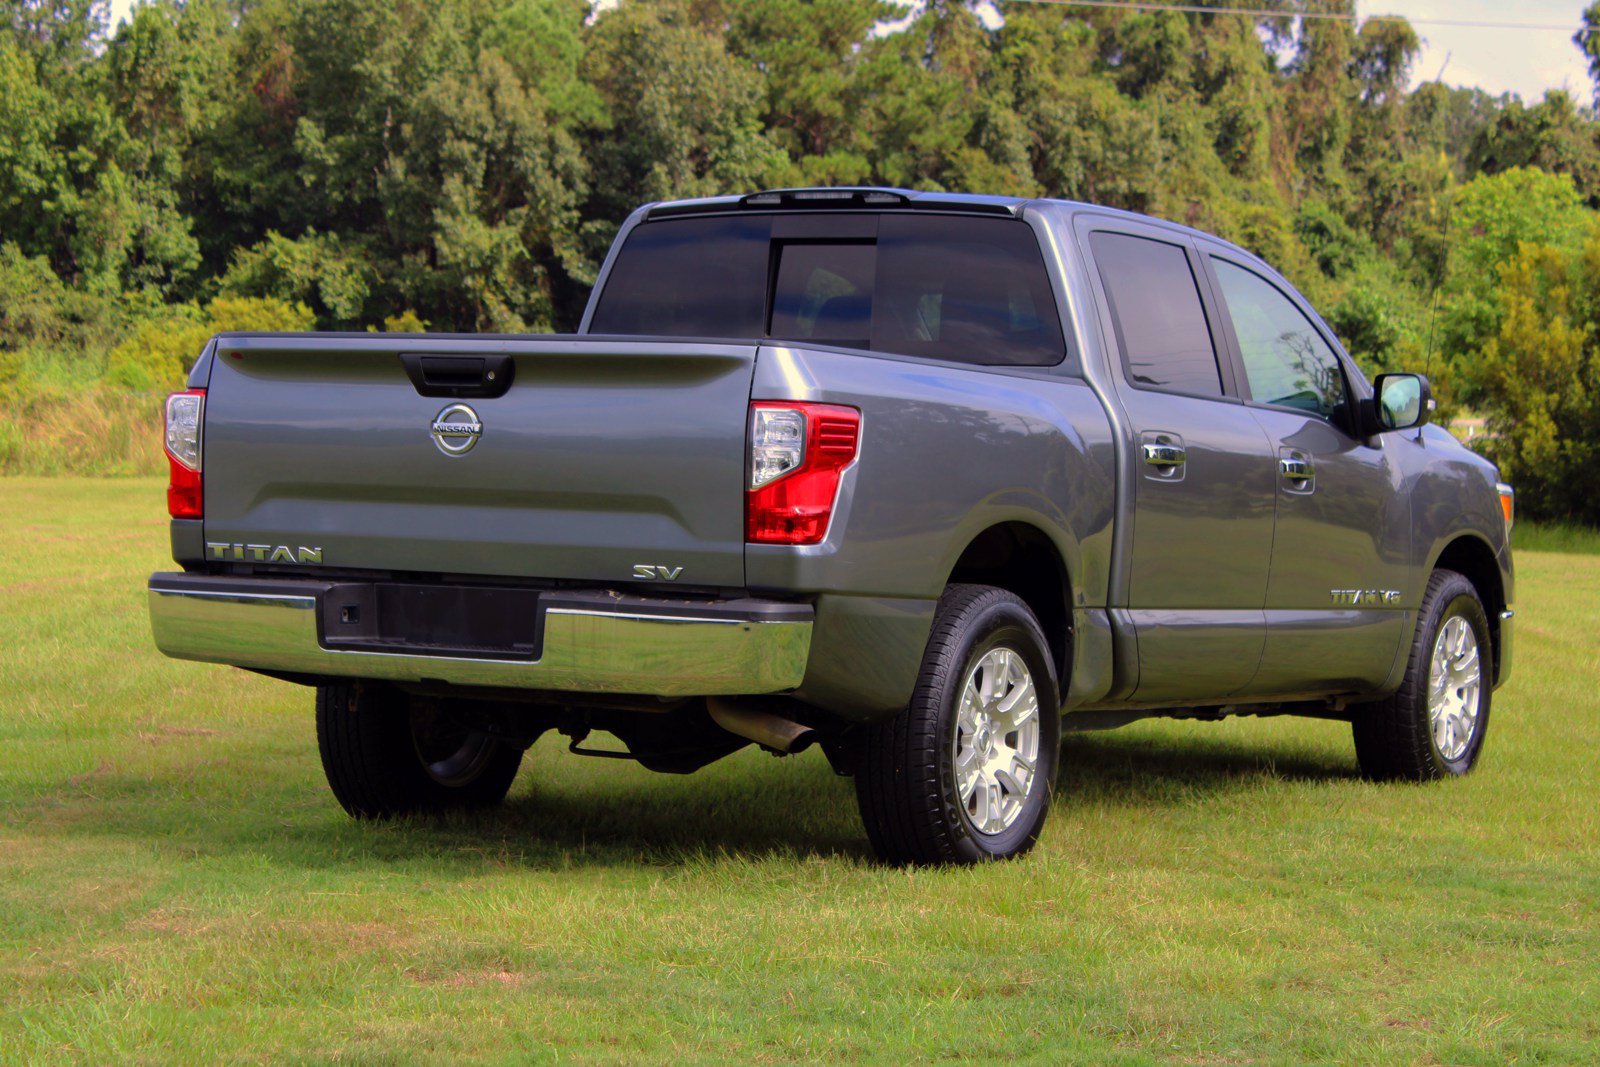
(475, 622)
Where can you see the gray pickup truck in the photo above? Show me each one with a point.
(924, 479)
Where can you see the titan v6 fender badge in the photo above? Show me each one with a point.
(241, 553)
(456, 430)
(1385, 598)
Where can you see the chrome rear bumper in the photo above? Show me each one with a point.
(595, 642)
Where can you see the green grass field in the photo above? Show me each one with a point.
(176, 883)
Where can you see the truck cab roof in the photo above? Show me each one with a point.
(889, 198)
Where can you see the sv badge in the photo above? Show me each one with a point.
(654, 572)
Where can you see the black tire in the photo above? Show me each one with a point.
(387, 754)
(906, 773)
(1395, 739)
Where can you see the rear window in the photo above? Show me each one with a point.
(824, 292)
(689, 278)
(964, 290)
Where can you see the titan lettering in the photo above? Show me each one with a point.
(242, 553)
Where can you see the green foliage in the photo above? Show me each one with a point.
(1333, 244)
(684, 113)
(28, 164)
(318, 270)
(1450, 120)
(405, 322)
(543, 43)
(1552, 136)
(49, 329)
(1368, 322)
(820, 72)
(159, 353)
(1494, 215)
(1539, 377)
(1381, 60)
(1491, 218)
(31, 299)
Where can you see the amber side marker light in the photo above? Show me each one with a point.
(1508, 503)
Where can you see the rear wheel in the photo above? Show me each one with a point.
(1434, 725)
(386, 754)
(964, 772)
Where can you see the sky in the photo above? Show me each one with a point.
(1526, 62)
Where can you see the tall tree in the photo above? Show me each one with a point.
(1315, 127)
(684, 114)
(1551, 135)
(815, 63)
(1588, 40)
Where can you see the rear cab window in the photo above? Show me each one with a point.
(688, 278)
(945, 287)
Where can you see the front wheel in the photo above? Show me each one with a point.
(386, 754)
(964, 772)
(1434, 725)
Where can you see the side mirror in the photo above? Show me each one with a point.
(1400, 402)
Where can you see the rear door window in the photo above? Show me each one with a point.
(1155, 308)
(946, 287)
(966, 290)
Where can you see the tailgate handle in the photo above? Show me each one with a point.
(459, 376)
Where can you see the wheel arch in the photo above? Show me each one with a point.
(1021, 558)
(1471, 556)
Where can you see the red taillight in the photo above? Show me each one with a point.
(185, 419)
(797, 452)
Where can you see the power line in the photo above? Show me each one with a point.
(1331, 16)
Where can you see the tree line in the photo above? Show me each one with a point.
(463, 165)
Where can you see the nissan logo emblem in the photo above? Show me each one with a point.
(456, 430)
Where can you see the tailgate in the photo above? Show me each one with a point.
(602, 456)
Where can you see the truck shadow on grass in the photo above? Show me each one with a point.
(750, 808)
(799, 808)
(1118, 769)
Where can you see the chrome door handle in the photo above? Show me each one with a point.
(1165, 455)
(1297, 469)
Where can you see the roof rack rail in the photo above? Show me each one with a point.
(841, 198)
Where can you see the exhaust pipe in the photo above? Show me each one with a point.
(771, 732)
